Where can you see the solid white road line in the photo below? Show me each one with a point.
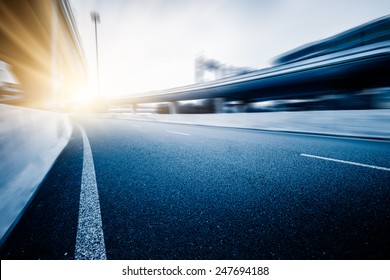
(176, 132)
(348, 162)
(90, 239)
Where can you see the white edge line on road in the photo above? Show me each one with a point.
(348, 162)
(176, 132)
(90, 240)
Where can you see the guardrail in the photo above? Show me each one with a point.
(30, 142)
(372, 124)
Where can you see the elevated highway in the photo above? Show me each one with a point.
(363, 67)
(352, 61)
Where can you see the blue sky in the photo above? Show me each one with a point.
(151, 44)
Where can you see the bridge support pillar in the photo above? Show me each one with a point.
(173, 107)
(242, 107)
(133, 108)
(218, 105)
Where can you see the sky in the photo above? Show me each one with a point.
(147, 45)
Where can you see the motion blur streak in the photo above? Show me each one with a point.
(27, 40)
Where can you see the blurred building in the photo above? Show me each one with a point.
(218, 70)
(40, 48)
(373, 32)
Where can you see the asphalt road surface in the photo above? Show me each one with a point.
(147, 190)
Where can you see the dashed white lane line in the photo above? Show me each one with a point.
(90, 240)
(347, 162)
(177, 132)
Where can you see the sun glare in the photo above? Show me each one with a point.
(84, 96)
(86, 100)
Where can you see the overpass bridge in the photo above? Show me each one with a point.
(353, 61)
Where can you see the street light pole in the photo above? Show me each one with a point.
(96, 19)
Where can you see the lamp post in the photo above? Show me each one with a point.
(96, 19)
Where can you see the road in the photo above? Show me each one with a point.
(170, 191)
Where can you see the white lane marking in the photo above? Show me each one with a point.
(348, 162)
(177, 132)
(90, 239)
(134, 125)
